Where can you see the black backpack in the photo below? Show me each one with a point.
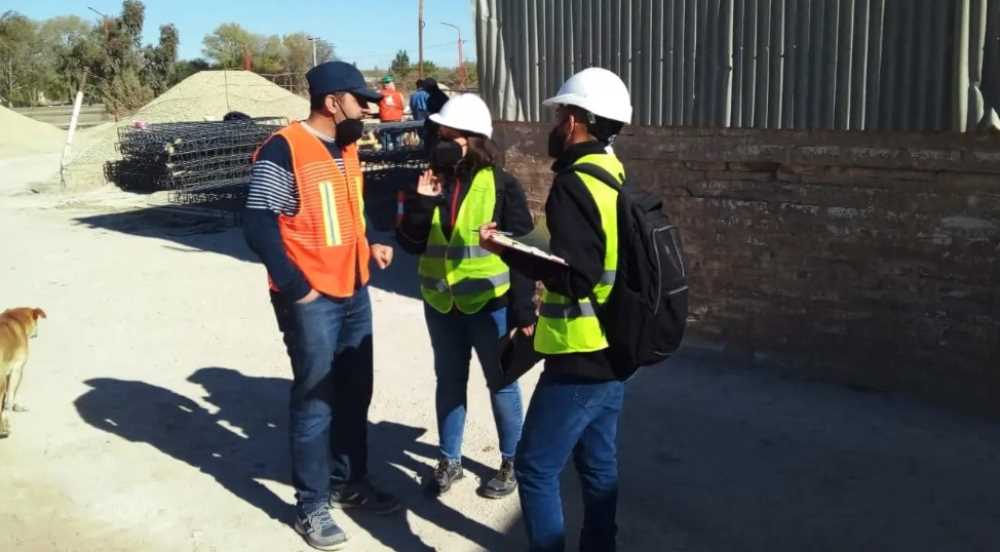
(645, 315)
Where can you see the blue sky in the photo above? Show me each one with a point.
(364, 31)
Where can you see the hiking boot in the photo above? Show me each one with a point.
(320, 531)
(503, 483)
(363, 495)
(446, 473)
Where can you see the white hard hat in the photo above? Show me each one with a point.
(466, 112)
(597, 90)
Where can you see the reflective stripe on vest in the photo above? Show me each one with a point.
(458, 273)
(326, 239)
(570, 326)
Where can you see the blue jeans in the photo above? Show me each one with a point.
(329, 342)
(453, 337)
(578, 417)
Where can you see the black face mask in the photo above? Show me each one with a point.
(349, 131)
(445, 156)
(557, 142)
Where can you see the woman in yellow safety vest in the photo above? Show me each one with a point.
(471, 299)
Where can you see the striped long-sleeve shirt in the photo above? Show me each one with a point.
(273, 192)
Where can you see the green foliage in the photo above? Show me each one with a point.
(228, 44)
(161, 60)
(400, 67)
(185, 68)
(125, 92)
(292, 54)
(21, 76)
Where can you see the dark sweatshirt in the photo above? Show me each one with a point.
(574, 224)
(512, 216)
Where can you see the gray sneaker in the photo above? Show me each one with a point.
(320, 531)
(503, 483)
(446, 473)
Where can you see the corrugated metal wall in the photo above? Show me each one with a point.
(845, 64)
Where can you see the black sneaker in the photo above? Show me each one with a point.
(446, 473)
(503, 483)
(320, 531)
(363, 495)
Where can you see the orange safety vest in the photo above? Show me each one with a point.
(390, 108)
(326, 238)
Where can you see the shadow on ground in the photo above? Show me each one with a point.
(717, 457)
(713, 457)
(246, 440)
(219, 232)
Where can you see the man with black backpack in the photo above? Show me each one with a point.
(578, 400)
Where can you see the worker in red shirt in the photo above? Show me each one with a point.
(390, 110)
(390, 107)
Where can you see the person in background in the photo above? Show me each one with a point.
(390, 106)
(575, 408)
(471, 299)
(418, 102)
(436, 99)
(390, 110)
(304, 218)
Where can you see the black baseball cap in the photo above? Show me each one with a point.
(337, 76)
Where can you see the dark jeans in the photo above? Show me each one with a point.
(329, 342)
(569, 416)
(453, 338)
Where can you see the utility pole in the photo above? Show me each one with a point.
(420, 38)
(313, 40)
(461, 62)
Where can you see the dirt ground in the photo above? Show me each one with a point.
(157, 391)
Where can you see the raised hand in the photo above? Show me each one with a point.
(428, 184)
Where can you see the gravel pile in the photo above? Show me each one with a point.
(20, 135)
(204, 96)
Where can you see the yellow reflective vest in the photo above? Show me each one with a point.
(458, 272)
(569, 326)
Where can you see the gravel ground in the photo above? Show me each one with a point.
(21, 136)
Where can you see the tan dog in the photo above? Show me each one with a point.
(16, 327)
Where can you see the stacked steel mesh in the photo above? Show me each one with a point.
(196, 159)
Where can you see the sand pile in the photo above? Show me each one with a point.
(204, 96)
(20, 135)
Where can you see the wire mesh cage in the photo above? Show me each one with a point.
(189, 157)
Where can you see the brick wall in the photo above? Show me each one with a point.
(863, 258)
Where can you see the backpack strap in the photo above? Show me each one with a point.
(597, 172)
(607, 178)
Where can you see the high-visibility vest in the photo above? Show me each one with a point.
(326, 238)
(569, 326)
(458, 272)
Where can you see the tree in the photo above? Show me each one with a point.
(269, 56)
(21, 77)
(117, 67)
(298, 53)
(125, 92)
(131, 20)
(400, 66)
(228, 44)
(453, 77)
(158, 72)
(185, 68)
(57, 37)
